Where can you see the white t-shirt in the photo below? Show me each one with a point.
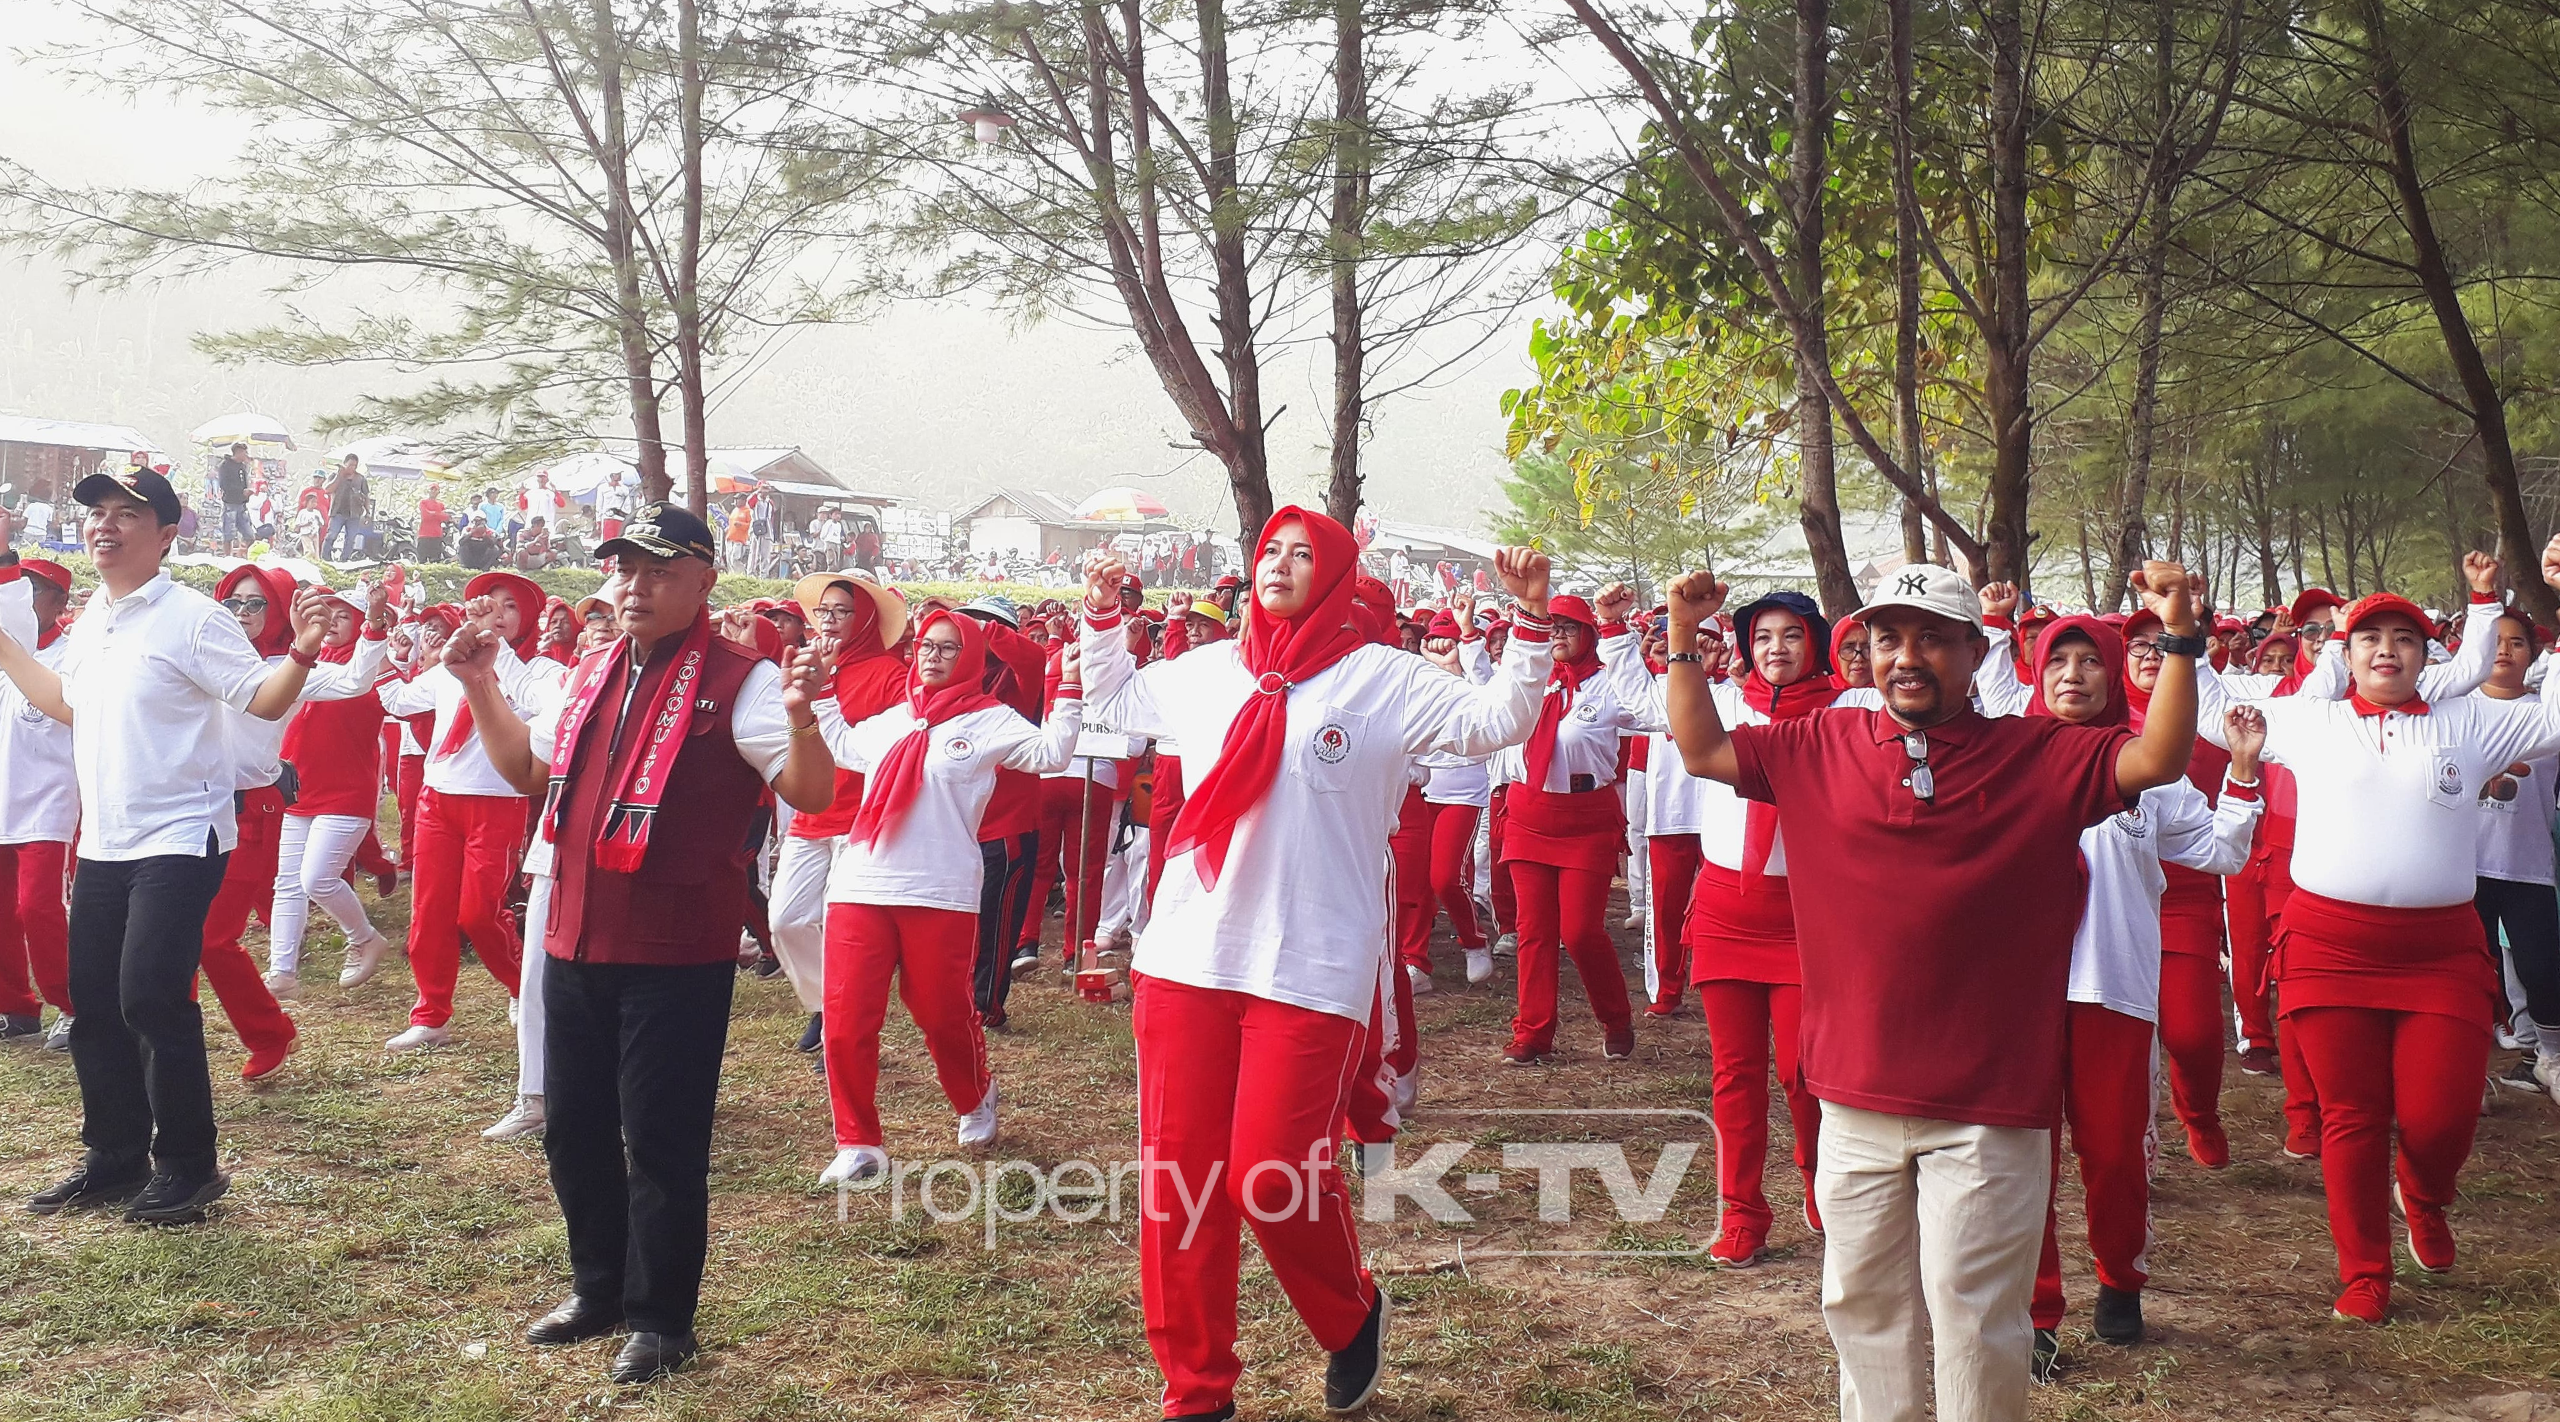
(257, 745)
(2115, 954)
(930, 858)
(1678, 802)
(2515, 834)
(152, 679)
(467, 771)
(1300, 913)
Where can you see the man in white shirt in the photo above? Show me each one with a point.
(39, 812)
(144, 684)
(613, 506)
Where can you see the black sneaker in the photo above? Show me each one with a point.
(19, 1027)
(81, 1190)
(812, 1036)
(176, 1199)
(2520, 1077)
(2119, 1316)
(767, 965)
(2045, 1363)
(1224, 1413)
(1351, 1377)
(648, 1357)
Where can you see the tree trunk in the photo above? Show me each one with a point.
(2151, 292)
(1350, 223)
(2488, 404)
(1818, 491)
(2007, 392)
(1907, 433)
(631, 317)
(1248, 464)
(690, 381)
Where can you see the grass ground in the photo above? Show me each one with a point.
(377, 1260)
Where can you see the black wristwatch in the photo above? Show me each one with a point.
(2171, 644)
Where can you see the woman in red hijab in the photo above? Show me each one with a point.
(903, 896)
(1257, 974)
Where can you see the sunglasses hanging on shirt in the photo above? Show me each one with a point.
(1924, 786)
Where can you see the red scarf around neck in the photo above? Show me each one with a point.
(1801, 697)
(622, 839)
(1280, 653)
(1563, 685)
(529, 620)
(893, 786)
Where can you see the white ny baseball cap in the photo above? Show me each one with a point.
(1929, 588)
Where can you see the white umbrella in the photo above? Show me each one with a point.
(245, 425)
(580, 475)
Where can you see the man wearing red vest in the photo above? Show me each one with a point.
(653, 766)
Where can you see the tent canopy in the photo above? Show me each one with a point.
(243, 426)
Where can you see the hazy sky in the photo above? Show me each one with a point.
(941, 404)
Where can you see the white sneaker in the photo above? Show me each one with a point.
(527, 1119)
(856, 1168)
(416, 1038)
(979, 1127)
(1479, 965)
(2545, 1065)
(515, 1012)
(1634, 918)
(59, 1039)
(285, 986)
(364, 960)
(1408, 1091)
(1507, 945)
(1421, 979)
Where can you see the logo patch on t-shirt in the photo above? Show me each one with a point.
(29, 714)
(1331, 743)
(2448, 775)
(959, 748)
(2133, 824)
(1586, 712)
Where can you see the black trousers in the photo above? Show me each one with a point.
(1004, 901)
(2530, 914)
(137, 1036)
(632, 1058)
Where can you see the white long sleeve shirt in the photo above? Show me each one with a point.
(2115, 955)
(930, 858)
(257, 745)
(152, 679)
(2515, 834)
(39, 790)
(1606, 708)
(467, 771)
(1300, 913)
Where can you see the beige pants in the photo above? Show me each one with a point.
(1937, 1214)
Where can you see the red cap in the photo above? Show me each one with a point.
(1442, 625)
(1132, 580)
(1569, 606)
(2374, 605)
(2311, 600)
(48, 570)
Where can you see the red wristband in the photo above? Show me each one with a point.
(301, 658)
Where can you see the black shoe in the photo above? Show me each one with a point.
(811, 1037)
(767, 965)
(176, 1199)
(651, 1356)
(16, 1027)
(81, 1190)
(2119, 1316)
(2520, 1077)
(574, 1321)
(1351, 1377)
(1226, 1413)
(2046, 1361)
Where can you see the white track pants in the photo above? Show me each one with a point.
(312, 854)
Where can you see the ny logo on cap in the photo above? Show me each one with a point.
(1911, 585)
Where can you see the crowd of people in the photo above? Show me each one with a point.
(621, 804)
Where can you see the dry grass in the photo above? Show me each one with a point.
(376, 1259)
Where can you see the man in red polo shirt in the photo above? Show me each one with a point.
(654, 764)
(1936, 958)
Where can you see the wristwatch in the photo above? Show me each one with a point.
(2171, 644)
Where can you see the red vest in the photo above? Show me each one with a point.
(688, 902)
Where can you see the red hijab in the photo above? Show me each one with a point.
(276, 585)
(1280, 653)
(1563, 684)
(2120, 692)
(894, 785)
(1840, 631)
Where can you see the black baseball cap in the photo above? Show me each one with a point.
(663, 531)
(148, 485)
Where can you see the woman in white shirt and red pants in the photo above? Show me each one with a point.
(1256, 976)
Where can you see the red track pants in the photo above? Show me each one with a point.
(1571, 904)
(1744, 1021)
(2254, 900)
(1673, 861)
(1409, 849)
(34, 928)
(248, 887)
(458, 884)
(1164, 805)
(1059, 843)
(1431, 876)
(2106, 1099)
(1239, 1102)
(1506, 903)
(2374, 1067)
(933, 953)
(2191, 1034)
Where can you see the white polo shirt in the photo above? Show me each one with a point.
(467, 771)
(153, 679)
(930, 858)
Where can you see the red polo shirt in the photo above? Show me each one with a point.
(1935, 935)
